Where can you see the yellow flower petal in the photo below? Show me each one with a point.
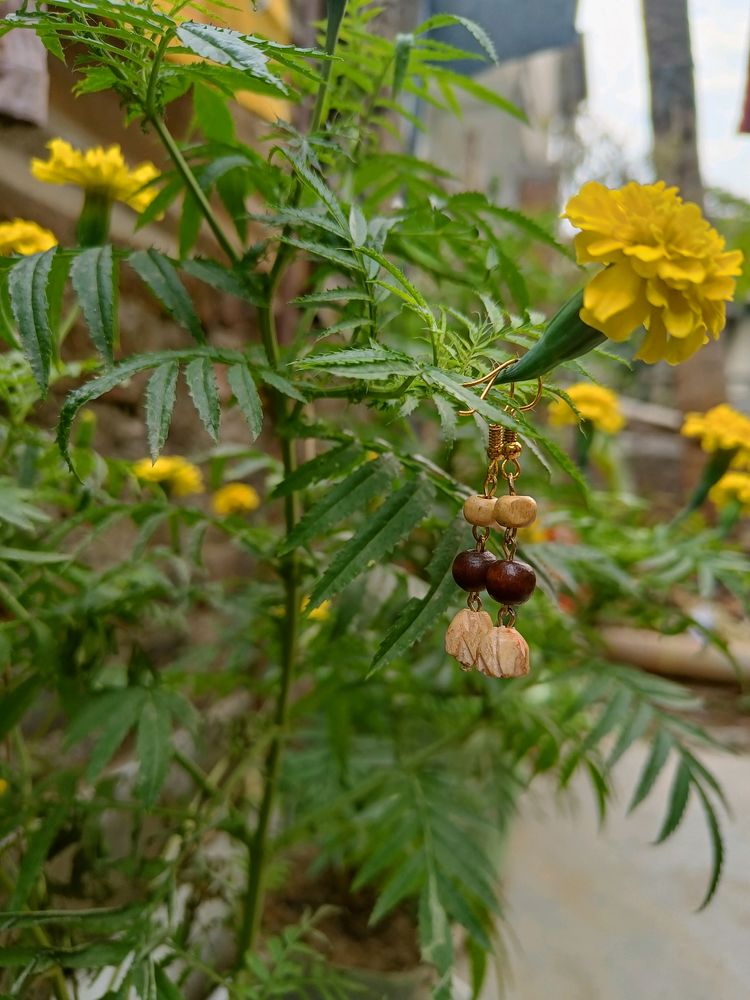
(667, 268)
(235, 498)
(181, 477)
(595, 403)
(24, 237)
(98, 169)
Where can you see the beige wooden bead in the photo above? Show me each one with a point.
(515, 511)
(503, 652)
(464, 634)
(480, 511)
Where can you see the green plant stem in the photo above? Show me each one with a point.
(258, 846)
(191, 182)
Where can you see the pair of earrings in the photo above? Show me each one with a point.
(494, 650)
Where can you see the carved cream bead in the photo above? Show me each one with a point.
(503, 652)
(464, 634)
(480, 511)
(514, 511)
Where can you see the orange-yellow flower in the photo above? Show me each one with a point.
(594, 403)
(180, 476)
(235, 498)
(733, 487)
(668, 269)
(24, 237)
(99, 170)
(721, 428)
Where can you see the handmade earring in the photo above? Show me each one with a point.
(496, 651)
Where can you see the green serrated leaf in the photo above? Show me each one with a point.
(352, 494)
(652, 768)
(448, 417)
(281, 384)
(418, 615)
(679, 794)
(634, 730)
(717, 846)
(160, 275)
(366, 363)
(229, 48)
(154, 750)
(474, 29)
(341, 258)
(161, 392)
(114, 729)
(331, 295)
(357, 225)
(92, 275)
(404, 881)
(242, 385)
(224, 279)
(324, 466)
(382, 530)
(27, 286)
(201, 383)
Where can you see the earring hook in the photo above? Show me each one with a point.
(490, 379)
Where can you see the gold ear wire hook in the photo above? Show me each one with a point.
(490, 378)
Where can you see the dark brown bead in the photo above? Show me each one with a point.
(470, 568)
(510, 581)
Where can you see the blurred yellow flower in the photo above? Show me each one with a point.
(99, 170)
(594, 403)
(320, 614)
(668, 269)
(733, 486)
(235, 498)
(180, 476)
(3, 786)
(533, 534)
(720, 429)
(23, 236)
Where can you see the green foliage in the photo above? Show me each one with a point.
(122, 647)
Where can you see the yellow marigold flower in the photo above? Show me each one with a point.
(22, 236)
(320, 614)
(180, 476)
(733, 486)
(668, 269)
(99, 170)
(235, 498)
(720, 429)
(593, 402)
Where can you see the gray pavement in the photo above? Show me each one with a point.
(607, 916)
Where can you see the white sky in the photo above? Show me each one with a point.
(618, 81)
